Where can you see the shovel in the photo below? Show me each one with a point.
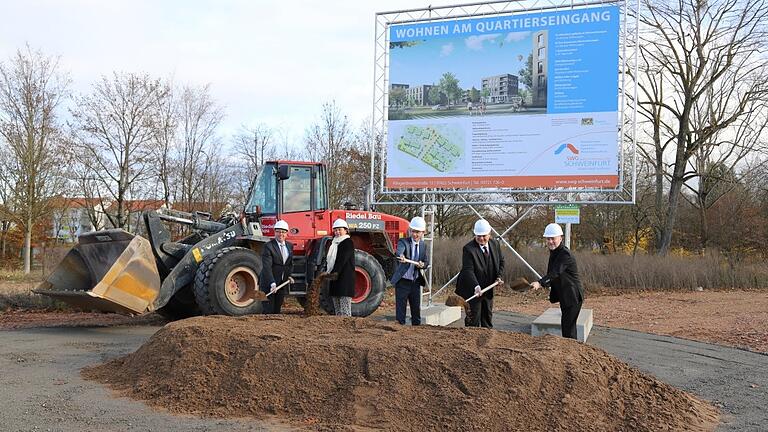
(456, 300)
(406, 260)
(260, 295)
(520, 284)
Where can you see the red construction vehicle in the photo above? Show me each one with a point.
(215, 270)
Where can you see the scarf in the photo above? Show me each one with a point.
(331, 257)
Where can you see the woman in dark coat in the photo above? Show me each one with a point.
(341, 266)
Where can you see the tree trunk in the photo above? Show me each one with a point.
(703, 228)
(675, 188)
(659, 186)
(28, 246)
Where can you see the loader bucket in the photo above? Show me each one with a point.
(110, 271)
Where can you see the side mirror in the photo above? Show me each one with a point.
(284, 172)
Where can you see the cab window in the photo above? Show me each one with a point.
(264, 192)
(297, 190)
(321, 202)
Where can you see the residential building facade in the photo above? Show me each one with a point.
(418, 95)
(539, 73)
(500, 88)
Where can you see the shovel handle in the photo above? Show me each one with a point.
(474, 296)
(290, 280)
(406, 260)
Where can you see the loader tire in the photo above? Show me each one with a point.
(181, 305)
(370, 285)
(226, 283)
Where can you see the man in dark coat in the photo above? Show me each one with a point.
(409, 278)
(277, 264)
(481, 265)
(563, 278)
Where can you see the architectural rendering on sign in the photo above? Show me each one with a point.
(527, 100)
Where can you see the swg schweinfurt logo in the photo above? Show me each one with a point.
(568, 146)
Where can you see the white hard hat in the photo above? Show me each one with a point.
(482, 227)
(340, 223)
(418, 223)
(553, 230)
(281, 224)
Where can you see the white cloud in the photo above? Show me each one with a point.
(446, 50)
(516, 36)
(475, 43)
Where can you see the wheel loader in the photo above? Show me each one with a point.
(216, 269)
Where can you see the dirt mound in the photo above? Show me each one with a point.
(346, 373)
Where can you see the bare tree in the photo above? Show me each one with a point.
(695, 46)
(199, 116)
(115, 128)
(165, 133)
(715, 165)
(89, 187)
(253, 146)
(31, 89)
(218, 189)
(285, 147)
(6, 198)
(328, 140)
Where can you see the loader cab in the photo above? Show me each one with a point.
(295, 192)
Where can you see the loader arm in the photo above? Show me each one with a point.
(184, 272)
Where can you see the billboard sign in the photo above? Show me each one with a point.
(567, 213)
(520, 101)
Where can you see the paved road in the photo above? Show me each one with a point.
(722, 375)
(43, 391)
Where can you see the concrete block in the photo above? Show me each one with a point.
(437, 315)
(549, 323)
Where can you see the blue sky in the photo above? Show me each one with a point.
(470, 58)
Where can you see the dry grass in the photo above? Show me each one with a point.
(16, 292)
(618, 270)
(7, 275)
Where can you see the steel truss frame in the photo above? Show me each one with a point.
(625, 193)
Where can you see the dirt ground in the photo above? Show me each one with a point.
(271, 365)
(48, 403)
(736, 318)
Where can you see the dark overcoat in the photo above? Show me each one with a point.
(477, 269)
(344, 267)
(273, 269)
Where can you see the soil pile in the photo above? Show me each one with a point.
(346, 373)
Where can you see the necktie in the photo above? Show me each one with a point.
(485, 250)
(415, 257)
(283, 252)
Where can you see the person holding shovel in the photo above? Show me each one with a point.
(408, 277)
(482, 264)
(563, 279)
(340, 266)
(277, 264)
